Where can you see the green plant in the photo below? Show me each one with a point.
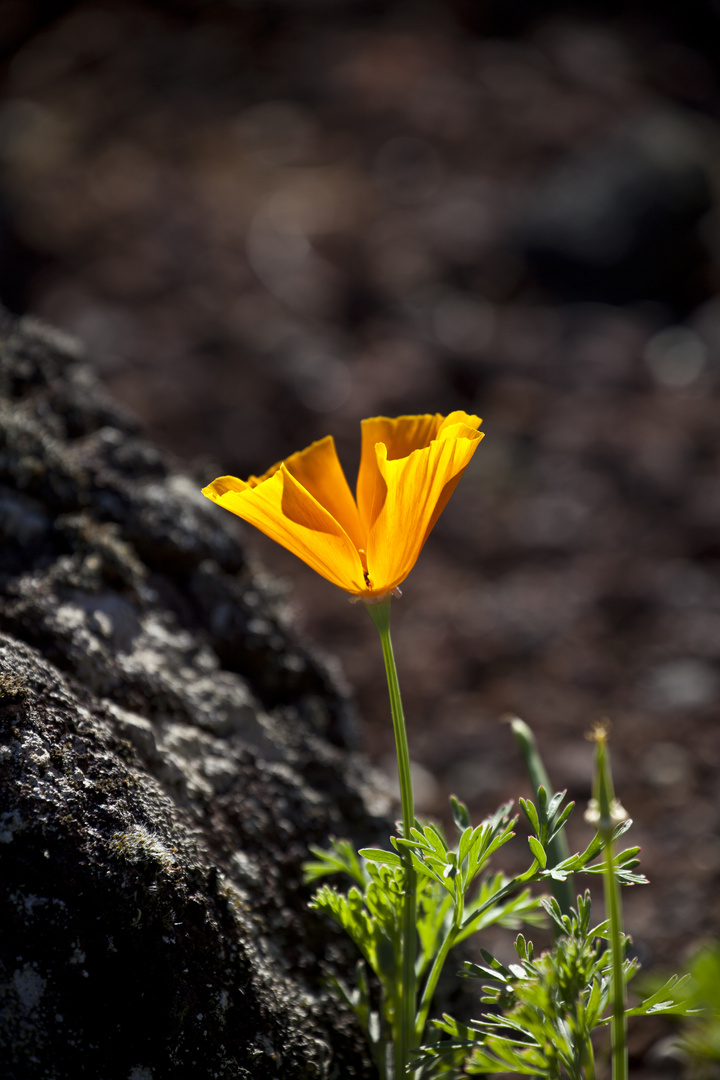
(543, 1010)
(541, 1013)
(455, 897)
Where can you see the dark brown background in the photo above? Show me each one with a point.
(270, 220)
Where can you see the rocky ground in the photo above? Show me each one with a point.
(268, 222)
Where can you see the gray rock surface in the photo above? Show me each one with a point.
(168, 749)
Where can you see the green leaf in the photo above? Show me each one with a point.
(339, 859)
(624, 876)
(524, 948)
(670, 999)
(531, 814)
(379, 855)
(460, 813)
(628, 857)
(622, 828)
(538, 851)
(554, 804)
(560, 822)
(421, 867)
(561, 921)
(468, 838)
(435, 840)
(593, 1005)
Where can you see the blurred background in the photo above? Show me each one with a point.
(268, 220)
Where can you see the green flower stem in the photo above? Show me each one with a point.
(609, 811)
(438, 965)
(405, 1022)
(613, 906)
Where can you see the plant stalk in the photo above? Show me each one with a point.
(404, 1039)
(609, 813)
(613, 906)
(438, 965)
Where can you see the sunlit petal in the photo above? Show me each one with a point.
(417, 488)
(401, 435)
(459, 417)
(456, 425)
(286, 512)
(319, 471)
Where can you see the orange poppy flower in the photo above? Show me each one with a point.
(409, 468)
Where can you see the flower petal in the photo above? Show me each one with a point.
(319, 471)
(289, 514)
(401, 435)
(417, 488)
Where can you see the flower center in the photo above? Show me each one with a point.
(363, 560)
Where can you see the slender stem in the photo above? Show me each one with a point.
(436, 969)
(609, 812)
(613, 906)
(432, 980)
(405, 1023)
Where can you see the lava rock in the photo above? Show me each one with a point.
(168, 750)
